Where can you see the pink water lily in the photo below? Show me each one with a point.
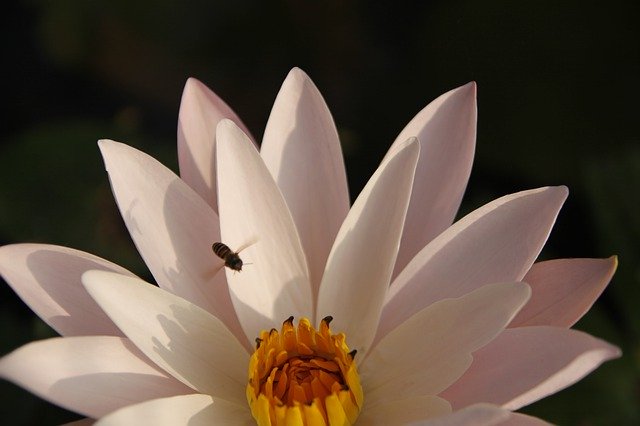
(453, 324)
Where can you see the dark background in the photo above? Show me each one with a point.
(558, 104)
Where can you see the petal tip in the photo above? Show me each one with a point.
(192, 83)
(297, 73)
(296, 81)
(613, 260)
(614, 352)
(93, 278)
(524, 292)
(105, 143)
(563, 191)
(226, 124)
(471, 88)
(194, 89)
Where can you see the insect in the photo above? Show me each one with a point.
(231, 258)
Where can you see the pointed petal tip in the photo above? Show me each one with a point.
(412, 143)
(471, 88)
(103, 143)
(226, 125)
(526, 290)
(467, 92)
(614, 262)
(195, 89)
(106, 145)
(94, 278)
(564, 190)
(560, 192)
(613, 352)
(298, 74)
(296, 81)
(192, 83)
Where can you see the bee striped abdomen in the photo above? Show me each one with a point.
(231, 258)
(221, 250)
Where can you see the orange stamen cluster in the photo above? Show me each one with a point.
(301, 376)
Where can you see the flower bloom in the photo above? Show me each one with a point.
(383, 312)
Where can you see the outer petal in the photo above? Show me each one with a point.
(81, 422)
(403, 411)
(563, 290)
(252, 210)
(47, 278)
(475, 415)
(183, 339)
(92, 375)
(435, 343)
(446, 129)
(496, 243)
(200, 112)
(302, 151)
(359, 267)
(196, 409)
(523, 365)
(517, 419)
(173, 229)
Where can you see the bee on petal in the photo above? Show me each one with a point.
(231, 258)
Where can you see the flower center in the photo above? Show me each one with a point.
(301, 376)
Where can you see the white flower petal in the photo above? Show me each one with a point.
(91, 375)
(252, 210)
(359, 267)
(446, 129)
(302, 151)
(563, 290)
(525, 364)
(475, 415)
(450, 329)
(172, 227)
(194, 410)
(200, 112)
(81, 422)
(47, 278)
(403, 411)
(517, 419)
(183, 339)
(495, 243)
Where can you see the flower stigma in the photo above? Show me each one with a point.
(300, 376)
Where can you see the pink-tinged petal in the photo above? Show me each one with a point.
(302, 151)
(430, 350)
(91, 375)
(495, 243)
(172, 227)
(81, 422)
(47, 278)
(253, 211)
(446, 129)
(475, 415)
(186, 341)
(563, 290)
(517, 419)
(194, 410)
(404, 411)
(200, 112)
(359, 267)
(525, 364)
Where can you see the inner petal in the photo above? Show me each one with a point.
(301, 375)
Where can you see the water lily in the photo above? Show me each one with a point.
(383, 312)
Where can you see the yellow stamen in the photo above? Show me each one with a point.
(303, 377)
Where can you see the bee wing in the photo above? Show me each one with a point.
(248, 244)
(212, 272)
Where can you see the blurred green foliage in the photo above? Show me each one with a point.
(557, 105)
